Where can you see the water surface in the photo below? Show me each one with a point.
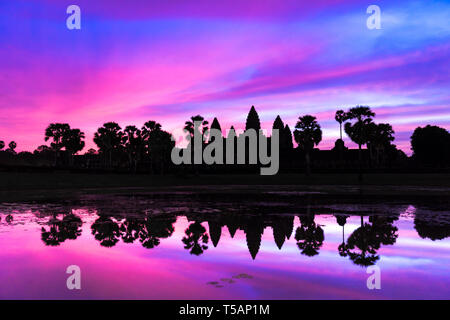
(185, 245)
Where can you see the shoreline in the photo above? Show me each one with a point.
(16, 186)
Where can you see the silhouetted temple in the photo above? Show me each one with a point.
(148, 150)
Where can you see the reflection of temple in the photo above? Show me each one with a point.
(132, 223)
(253, 226)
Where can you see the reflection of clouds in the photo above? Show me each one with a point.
(409, 212)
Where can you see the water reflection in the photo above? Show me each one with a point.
(69, 227)
(149, 226)
(286, 240)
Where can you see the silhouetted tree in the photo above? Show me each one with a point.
(56, 132)
(379, 139)
(197, 125)
(359, 129)
(12, 147)
(342, 220)
(159, 144)
(134, 145)
(340, 117)
(190, 127)
(307, 134)
(109, 139)
(42, 149)
(2, 145)
(73, 142)
(431, 145)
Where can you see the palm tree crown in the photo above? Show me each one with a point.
(307, 132)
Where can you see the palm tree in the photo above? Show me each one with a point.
(431, 145)
(380, 137)
(202, 125)
(307, 134)
(359, 130)
(12, 146)
(154, 229)
(73, 142)
(196, 125)
(134, 145)
(56, 132)
(109, 139)
(158, 144)
(340, 117)
(362, 246)
(150, 126)
(2, 145)
(161, 143)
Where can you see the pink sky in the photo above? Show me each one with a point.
(146, 60)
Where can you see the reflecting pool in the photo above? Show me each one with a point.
(189, 245)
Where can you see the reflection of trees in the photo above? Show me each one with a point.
(154, 229)
(148, 230)
(61, 230)
(9, 218)
(130, 229)
(385, 231)
(362, 246)
(342, 220)
(196, 239)
(309, 236)
(106, 231)
(434, 227)
(364, 242)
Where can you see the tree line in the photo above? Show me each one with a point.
(152, 145)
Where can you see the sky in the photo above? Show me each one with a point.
(135, 60)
